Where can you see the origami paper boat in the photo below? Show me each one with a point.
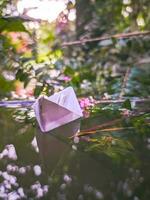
(57, 110)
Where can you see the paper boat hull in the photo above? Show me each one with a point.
(57, 110)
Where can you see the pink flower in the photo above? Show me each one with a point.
(64, 78)
(85, 103)
(67, 78)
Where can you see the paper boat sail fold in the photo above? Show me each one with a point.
(57, 110)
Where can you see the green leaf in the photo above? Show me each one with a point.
(22, 76)
(38, 90)
(69, 71)
(12, 25)
(127, 105)
(6, 86)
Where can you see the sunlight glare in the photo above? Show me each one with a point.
(72, 15)
(44, 10)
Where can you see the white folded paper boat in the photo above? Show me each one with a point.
(57, 110)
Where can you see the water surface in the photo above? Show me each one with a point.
(109, 165)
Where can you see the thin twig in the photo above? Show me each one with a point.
(83, 133)
(103, 130)
(24, 18)
(116, 36)
(105, 127)
(143, 61)
(136, 100)
(107, 124)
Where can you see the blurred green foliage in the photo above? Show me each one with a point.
(11, 25)
(93, 68)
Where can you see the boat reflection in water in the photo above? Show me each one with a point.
(75, 168)
(54, 145)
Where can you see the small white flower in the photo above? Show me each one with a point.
(37, 170)
(99, 195)
(21, 192)
(67, 178)
(22, 170)
(13, 196)
(40, 193)
(45, 189)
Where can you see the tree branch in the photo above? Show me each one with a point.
(28, 103)
(24, 18)
(116, 36)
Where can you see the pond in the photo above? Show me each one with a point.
(110, 161)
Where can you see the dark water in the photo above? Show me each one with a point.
(109, 165)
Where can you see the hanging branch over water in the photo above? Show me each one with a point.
(116, 36)
(102, 126)
(83, 133)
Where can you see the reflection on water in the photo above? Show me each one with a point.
(70, 168)
(53, 146)
(52, 166)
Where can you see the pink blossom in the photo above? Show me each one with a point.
(86, 102)
(64, 78)
(67, 78)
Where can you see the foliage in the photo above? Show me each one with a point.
(11, 25)
(111, 146)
